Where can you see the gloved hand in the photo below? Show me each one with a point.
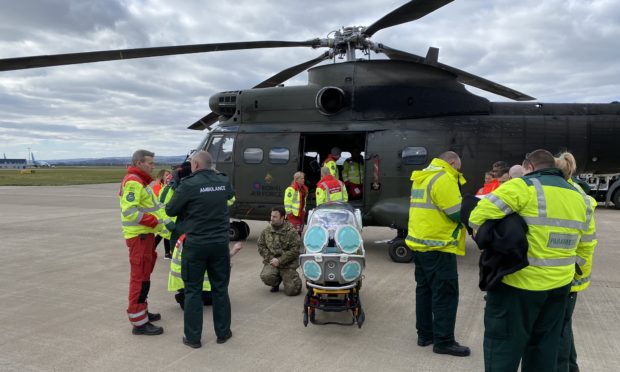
(170, 226)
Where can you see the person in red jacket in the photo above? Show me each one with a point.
(295, 201)
(329, 189)
(141, 219)
(490, 184)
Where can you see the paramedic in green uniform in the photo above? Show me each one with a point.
(201, 200)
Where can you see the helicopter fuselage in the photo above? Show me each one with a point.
(400, 115)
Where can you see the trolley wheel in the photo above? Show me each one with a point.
(305, 317)
(400, 252)
(360, 318)
(312, 315)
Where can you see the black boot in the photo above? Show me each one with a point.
(153, 317)
(455, 349)
(275, 288)
(147, 329)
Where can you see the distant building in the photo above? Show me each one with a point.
(13, 163)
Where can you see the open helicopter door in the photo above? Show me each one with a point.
(264, 168)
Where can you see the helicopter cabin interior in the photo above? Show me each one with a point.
(261, 165)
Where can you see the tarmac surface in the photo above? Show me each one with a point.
(63, 296)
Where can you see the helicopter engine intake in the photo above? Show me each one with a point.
(330, 100)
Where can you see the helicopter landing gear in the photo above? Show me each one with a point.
(238, 230)
(398, 250)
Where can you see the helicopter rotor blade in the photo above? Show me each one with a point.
(21, 63)
(462, 76)
(205, 122)
(284, 75)
(274, 80)
(415, 9)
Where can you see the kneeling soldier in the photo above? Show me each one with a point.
(279, 245)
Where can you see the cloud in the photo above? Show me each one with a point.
(556, 50)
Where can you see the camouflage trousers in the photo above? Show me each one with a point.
(273, 276)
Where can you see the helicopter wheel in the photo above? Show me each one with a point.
(400, 252)
(238, 230)
(615, 198)
(245, 230)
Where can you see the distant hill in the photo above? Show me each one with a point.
(121, 160)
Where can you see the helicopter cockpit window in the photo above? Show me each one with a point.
(414, 155)
(279, 155)
(253, 155)
(221, 147)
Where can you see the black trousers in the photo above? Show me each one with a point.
(437, 296)
(523, 326)
(567, 356)
(215, 259)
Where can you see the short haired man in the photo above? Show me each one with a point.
(516, 171)
(329, 189)
(436, 237)
(280, 246)
(523, 316)
(141, 219)
(202, 198)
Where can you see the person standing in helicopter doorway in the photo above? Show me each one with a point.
(353, 174)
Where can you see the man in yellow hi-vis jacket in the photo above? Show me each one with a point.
(141, 219)
(436, 237)
(523, 317)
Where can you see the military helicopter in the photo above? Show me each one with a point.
(401, 112)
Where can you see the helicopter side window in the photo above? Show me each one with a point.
(279, 155)
(221, 148)
(414, 155)
(253, 155)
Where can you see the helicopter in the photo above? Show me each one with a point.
(400, 112)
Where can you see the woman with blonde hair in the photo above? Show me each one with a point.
(567, 356)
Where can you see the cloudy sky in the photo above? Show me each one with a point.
(554, 50)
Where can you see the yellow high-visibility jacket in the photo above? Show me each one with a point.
(292, 201)
(329, 189)
(561, 230)
(585, 254)
(434, 210)
(333, 167)
(353, 171)
(140, 210)
(175, 281)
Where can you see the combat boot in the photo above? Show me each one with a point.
(147, 329)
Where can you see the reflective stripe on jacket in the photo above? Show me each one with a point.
(435, 197)
(292, 201)
(585, 250)
(137, 201)
(333, 167)
(560, 227)
(353, 171)
(175, 281)
(329, 189)
(164, 197)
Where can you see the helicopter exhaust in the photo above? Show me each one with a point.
(330, 100)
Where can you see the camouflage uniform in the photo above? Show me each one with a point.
(283, 244)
